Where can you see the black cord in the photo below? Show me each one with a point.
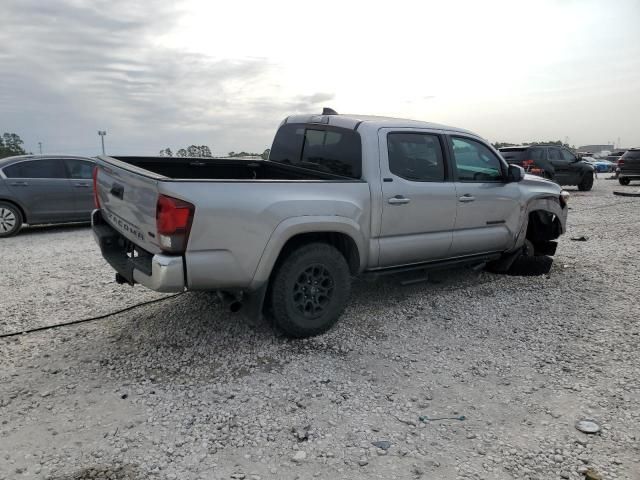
(90, 319)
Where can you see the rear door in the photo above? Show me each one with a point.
(80, 173)
(41, 185)
(488, 207)
(419, 200)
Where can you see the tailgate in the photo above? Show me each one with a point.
(128, 196)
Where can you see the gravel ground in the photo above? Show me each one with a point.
(182, 390)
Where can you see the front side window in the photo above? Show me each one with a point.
(416, 156)
(567, 155)
(475, 162)
(50, 168)
(79, 169)
(332, 150)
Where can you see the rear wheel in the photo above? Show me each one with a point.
(586, 183)
(310, 290)
(624, 181)
(10, 219)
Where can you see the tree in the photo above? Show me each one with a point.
(10, 145)
(205, 151)
(166, 152)
(182, 153)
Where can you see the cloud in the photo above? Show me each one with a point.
(70, 68)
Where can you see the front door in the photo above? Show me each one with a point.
(488, 214)
(418, 198)
(43, 188)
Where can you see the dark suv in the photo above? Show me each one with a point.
(629, 166)
(552, 162)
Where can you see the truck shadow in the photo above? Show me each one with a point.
(193, 336)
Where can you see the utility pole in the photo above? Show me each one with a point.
(102, 133)
(40, 147)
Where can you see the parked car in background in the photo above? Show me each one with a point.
(41, 189)
(552, 162)
(602, 166)
(615, 156)
(629, 166)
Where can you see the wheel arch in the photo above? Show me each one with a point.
(341, 232)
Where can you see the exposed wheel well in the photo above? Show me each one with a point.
(24, 216)
(343, 242)
(543, 226)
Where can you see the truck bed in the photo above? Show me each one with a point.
(184, 168)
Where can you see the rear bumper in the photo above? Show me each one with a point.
(162, 273)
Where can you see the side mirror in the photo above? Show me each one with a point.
(515, 173)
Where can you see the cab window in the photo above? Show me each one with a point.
(474, 162)
(416, 156)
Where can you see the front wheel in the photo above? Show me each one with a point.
(586, 183)
(310, 290)
(624, 181)
(10, 219)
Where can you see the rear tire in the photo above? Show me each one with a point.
(624, 180)
(586, 183)
(310, 290)
(10, 219)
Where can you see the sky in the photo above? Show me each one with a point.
(171, 73)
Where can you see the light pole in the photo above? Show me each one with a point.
(40, 147)
(102, 133)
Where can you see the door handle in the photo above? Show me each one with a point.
(19, 184)
(398, 200)
(82, 185)
(467, 198)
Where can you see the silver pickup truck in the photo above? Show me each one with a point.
(340, 195)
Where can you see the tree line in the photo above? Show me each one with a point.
(559, 143)
(203, 151)
(10, 145)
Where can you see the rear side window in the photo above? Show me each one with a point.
(416, 156)
(514, 155)
(635, 154)
(332, 150)
(554, 154)
(537, 153)
(50, 168)
(79, 169)
(475, 162)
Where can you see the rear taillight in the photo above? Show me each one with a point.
(620, 162)
(96, 199)
(173, 223)
(527, 163)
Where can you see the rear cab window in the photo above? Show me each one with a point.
(333, 150)
(47, 168)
